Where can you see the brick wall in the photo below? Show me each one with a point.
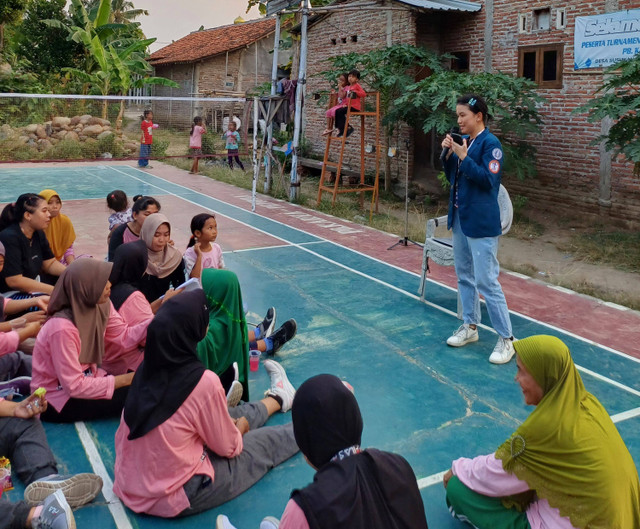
(209, 77)
(370, 29)
(568, 166)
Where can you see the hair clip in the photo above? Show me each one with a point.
(472, 101)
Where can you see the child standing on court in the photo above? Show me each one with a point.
(195, 142)
(232, 137)
(202, 251)
(146, 140)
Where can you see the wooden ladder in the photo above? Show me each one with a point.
(330, 167)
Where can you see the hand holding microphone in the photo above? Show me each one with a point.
(454, 142)
(447, 143)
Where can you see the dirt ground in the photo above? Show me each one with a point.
(540, 257)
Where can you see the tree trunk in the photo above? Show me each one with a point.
(119, 118)
(105, 103)
(1, 36)
(387, 161)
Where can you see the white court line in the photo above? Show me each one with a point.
(258, 248)
(434, 479)
(115, 506)
(524, 316)
(423, 482)
(625, 415)
(388, 285)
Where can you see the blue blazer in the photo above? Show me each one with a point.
(478, 181)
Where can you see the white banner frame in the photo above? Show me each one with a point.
(603, 40)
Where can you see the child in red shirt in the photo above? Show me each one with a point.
(146, 141)
(354, 92)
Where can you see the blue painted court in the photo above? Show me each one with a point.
(358, 318)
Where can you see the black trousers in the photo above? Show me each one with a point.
(341, 118)
(24, 442)
(88, 409)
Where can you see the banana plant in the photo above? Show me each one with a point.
(111, 63)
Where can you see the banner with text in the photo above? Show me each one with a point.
(603, 40)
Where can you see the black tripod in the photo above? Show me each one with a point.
(405, 240)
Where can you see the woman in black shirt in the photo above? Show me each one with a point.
(28, 253)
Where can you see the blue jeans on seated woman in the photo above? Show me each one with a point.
(477, 268)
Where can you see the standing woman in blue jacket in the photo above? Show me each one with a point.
(473, 169)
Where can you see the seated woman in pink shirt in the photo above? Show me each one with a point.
(179, 450)
(129, 267)
(565, 467)
(13, 362)
(71, 346)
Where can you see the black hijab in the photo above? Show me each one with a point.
(129, 265)
(170, 369)
(352, 489)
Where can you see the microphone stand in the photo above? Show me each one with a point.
(405, 240)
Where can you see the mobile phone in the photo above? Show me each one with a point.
(456, 137)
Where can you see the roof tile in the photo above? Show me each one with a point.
(210, 42)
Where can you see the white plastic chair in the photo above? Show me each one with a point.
(440, 249)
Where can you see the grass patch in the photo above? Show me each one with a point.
(525, 228)
(616, 248)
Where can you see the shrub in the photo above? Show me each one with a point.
(66, 150)
(111, 144)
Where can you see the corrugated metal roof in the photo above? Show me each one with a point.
(444, 5)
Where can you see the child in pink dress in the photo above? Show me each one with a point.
(343, 81)
(202, 251)
(195, 142)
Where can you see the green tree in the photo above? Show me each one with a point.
(122, 11)
(513, 102)
(619, 100)
(387, 71)
(113, 66)
(10, 13)
(45, 47)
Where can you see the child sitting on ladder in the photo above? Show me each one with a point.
(232, 138)
(354, 92)
(343, 81)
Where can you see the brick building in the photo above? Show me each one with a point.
(534, 38)
(226, 61)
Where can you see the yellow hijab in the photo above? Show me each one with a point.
(60, 233)
(568, 450)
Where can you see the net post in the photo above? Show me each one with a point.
(256, 167)
(294, 190)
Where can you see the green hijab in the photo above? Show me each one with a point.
(568, 450)
(226, 341)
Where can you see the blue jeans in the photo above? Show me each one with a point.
(477, 268)
(145, 154)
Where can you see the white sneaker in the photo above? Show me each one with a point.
(463, 336)
(503, 351)
(269, 523)
(222, 522)
(280, 385)
(78, 489)
(234, 395)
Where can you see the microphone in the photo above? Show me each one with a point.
(445, 151)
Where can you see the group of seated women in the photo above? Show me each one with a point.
(118, 341)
